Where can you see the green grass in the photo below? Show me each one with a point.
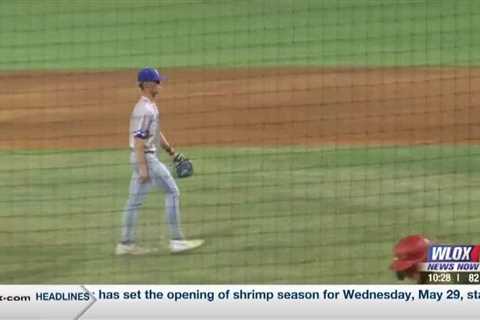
(285, 215)
(127, 34)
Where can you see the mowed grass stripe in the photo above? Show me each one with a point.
(54, 35)
(284, 215)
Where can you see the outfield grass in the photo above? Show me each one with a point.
(284, 215)
(127, 34)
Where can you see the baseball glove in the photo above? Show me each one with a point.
(183, 167)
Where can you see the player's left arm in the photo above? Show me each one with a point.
(183, 166)
(166, 145)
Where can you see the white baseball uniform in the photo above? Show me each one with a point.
(145, 124)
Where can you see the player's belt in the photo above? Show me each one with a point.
(148, 151)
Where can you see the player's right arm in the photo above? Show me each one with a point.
(139, 148)
(141, 125)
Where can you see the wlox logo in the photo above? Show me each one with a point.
(453, 253)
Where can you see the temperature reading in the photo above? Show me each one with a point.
(474, 278)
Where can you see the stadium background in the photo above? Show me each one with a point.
(322, 132)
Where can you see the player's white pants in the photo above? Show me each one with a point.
(161, 178)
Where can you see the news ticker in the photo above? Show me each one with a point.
(241, 301)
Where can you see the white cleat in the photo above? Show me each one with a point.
(177, 246)
(132, 249)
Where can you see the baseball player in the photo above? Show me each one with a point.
(148, 171)
(409, 252)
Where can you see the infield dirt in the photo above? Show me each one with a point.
(245, 107)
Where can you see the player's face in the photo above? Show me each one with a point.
(411, 273)
(153, 88)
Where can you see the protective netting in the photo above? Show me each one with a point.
(320, 132)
